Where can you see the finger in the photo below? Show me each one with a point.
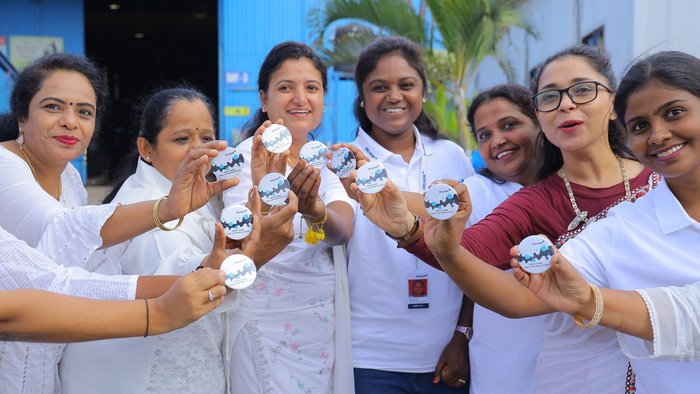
(292, 203)
(305, 190)
(219, 246)
(301, 178)
(438, 370)
(218, 145)
(207, 278)
(262, 128)
(298, 169)
(280, 163)
(254, 201)
(223, 184)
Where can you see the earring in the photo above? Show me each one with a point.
(362, 104)
(147, 159)
(20, 138)
(263, 109)
(424, 100)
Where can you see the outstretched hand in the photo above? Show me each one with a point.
(561, 286)
(187, 300)
(443, 236)
(190, 190)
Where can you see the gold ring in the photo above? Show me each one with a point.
(462, 381)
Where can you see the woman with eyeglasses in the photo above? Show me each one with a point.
(587, 169)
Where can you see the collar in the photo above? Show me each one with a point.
(377, 152)
(669, 211)
(150, 177)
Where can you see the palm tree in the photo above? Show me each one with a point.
(470, 31)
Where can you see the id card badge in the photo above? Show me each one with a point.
(417, 290)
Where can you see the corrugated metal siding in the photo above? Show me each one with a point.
(60, 18)
(248, 30)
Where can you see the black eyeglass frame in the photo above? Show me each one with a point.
(568, 93)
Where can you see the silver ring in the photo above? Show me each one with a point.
(211, 296)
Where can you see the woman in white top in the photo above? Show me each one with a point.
(659, 103)
(56, 105)
(191, 359)
(389, 342)
(284, 329)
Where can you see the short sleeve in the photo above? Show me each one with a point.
(589, 251)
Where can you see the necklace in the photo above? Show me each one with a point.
(582, 216)
(31, 167)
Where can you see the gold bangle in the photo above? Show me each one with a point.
(157, 221)
(597, 315)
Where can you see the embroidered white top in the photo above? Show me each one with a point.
(650, 243)
(186, 360)
(66, 231)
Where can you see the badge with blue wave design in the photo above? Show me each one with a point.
(371, 177)
(535, 254)
(343, 162)
(314, 154)
(274, 188)
(441, 201)
(237, 221)
(240, 271)
(277, 138)
(227, 164)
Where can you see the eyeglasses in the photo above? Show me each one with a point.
(579, 93)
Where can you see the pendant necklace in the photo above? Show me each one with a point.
(582, 216)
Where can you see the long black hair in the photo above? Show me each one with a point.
(31, 79)
(518, 95)
(674, 69)
(274, 60)
(156, 108)
(552, 159)
(367, 62)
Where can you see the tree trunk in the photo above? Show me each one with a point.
(460, 101)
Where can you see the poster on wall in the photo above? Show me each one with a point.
(3, 45)
(26, 49)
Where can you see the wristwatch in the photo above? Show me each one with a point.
(467, 331)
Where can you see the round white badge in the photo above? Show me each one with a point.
(343, 162)
(237, 221)
(274, 188)
(314, 153)
(277, 138)
(535, 254)
(228, 164)
(240, 271)
(441, 201)
(371, 177)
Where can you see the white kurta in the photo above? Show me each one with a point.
(188, 360)
(650, 243)
(675, 318)
(283, 331)
(503, 352)
(387, 335)
(67, 232)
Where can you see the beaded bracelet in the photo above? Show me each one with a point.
(315, 232)
(597, 315)
(157, 221)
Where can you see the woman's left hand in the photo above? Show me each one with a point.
(190, 190)
(305, 181)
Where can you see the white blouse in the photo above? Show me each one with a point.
(650, 243)
(186, 360)
(283, 333)
(67, 232)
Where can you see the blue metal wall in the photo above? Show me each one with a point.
(58, 18)
(248, 30)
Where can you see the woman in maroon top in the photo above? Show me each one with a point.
(587, 170)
